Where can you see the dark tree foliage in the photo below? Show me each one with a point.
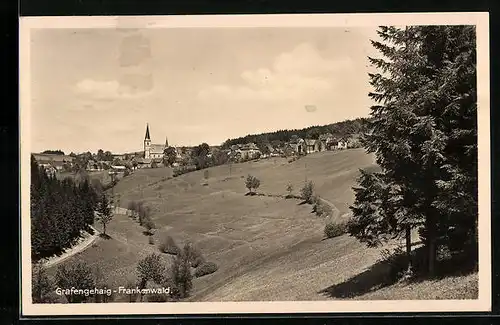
(252, 183)
(279, 137)
(104, 212)
(151, 268)
(199, 156)
(54, 152)
(181, 277)
(59, 211)
(78, 276)
(42, 287)
(169, 156)
(424, 134)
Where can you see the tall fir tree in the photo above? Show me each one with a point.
(423, 133)
(105, 214)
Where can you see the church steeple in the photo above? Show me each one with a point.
(147, 144)
(166, 142)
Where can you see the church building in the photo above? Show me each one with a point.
(153, 151)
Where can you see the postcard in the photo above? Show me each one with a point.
(241, 164)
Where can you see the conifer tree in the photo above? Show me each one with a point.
(423, 133)
(59, 211)
(105, 214)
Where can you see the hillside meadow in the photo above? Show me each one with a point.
(266, 247)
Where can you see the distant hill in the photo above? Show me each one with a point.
(338, 129)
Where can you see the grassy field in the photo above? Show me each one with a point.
(267, 248)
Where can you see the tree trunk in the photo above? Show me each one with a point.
(408, 247)
(104, 228)
(431, 244)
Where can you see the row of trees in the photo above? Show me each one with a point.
(201, 156)
(54, 152)
(423, 132)
(60, 210)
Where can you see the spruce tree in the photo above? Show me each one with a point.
(105, 214)
(423, 133)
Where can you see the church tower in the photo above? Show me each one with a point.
(166, 142)
(147, 143)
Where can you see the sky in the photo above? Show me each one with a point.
(97, 88)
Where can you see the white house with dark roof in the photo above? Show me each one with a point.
(342, 144)
(311, 145)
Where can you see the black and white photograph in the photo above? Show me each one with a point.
(255, 164)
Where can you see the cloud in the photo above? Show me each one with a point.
(299, 74)
(129, 86)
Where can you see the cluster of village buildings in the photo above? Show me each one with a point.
(153, 154)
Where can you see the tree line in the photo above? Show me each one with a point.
(60, 210)
(423, 131)
(277, 138)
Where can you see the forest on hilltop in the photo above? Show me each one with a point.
(339, 129)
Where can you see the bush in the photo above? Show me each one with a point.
(77, 275)
(335, 229)
(42, 288)
(307, 192)
(100, 282)
(316, 202)
(144, 213)
(252, 183)
(183, 170)
(289, 189)
(132, 206)
(195, 256)
(149, 225)
(205, 269)
(180, 274)
(327, 211)
(321, 208)
(169, 246)
(151, 268)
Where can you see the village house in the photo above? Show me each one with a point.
(354, 141)
(49, 169)
(312, 145)
(273, 152)
(291, 149)
(144, 162)
(56, 162)
(92, 165)
(117, 169)
(244, 151)
(297, 146)
(342, 144)
(42, 158)
(326, 141)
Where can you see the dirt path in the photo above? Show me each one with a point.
(84, 243)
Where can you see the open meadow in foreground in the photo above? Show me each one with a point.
(267, 248)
